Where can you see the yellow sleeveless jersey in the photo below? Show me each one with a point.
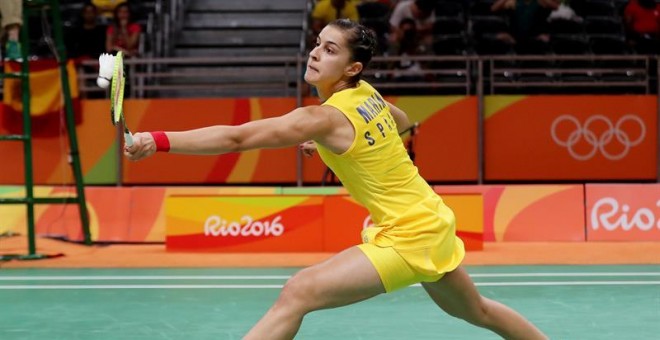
(376, 169)
(408, 215)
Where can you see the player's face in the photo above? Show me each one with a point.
(330, 58)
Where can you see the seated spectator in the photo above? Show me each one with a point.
(375, 15)
(123, 35)
(12, 19)
(643, 25)
(564, 12)
(327, 11)
(88, 36)
(106, 8)
(528, 22)
(409, 70)
(422, 13)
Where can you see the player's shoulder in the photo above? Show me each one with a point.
(319, 119)
(323, 115)
(321, 111)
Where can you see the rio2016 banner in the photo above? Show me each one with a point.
(244, 224)
(283, 223)
(570, 138)
(623, 212)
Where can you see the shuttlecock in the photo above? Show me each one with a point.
(106, 66)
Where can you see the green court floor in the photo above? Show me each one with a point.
(567, 302)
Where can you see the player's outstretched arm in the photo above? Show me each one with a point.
(298, 126)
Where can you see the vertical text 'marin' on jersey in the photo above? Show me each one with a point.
(371, 107)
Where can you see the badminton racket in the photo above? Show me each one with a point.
(117, 97)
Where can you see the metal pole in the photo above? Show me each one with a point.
(299, 155)
(648, 66)
(468, 76)
(70, 124)
(27, 131)
(286, 78)
(492, 77)
(131, 80)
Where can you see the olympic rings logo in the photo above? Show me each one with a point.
(598, 143)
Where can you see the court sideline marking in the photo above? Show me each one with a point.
(286, 277)
(278, 286)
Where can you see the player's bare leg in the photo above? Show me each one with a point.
(345, 278)
(456, 294)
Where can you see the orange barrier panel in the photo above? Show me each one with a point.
(344, 220)
(529, 212)
(570, 137)
(446, 147)
(257, 166)
(623, 212)
(469, 212)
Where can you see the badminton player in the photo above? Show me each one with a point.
(355, 132)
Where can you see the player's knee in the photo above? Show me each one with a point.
(477, 314)
(298, 293)
(480, 315)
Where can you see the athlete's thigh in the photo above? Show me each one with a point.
(455, 293)
(345, 278)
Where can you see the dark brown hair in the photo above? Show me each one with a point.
(361, 42)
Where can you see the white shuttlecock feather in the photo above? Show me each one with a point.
(106, 66)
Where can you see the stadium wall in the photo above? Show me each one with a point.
(525, 138)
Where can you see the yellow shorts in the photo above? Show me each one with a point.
(419, 251)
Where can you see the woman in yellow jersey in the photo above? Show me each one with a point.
(355, 132)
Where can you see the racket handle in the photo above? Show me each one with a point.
(128, 138)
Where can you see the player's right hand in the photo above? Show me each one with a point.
(308, 148)
(143, 147)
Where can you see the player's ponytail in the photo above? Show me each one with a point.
(361, 41)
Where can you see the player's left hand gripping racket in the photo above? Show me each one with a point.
(117, 97)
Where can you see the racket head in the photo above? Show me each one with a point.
(117, 89)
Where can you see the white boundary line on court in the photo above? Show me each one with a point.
(145, 277)
(481, 284)
(286, 277)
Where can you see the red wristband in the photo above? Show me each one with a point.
(162, 142)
